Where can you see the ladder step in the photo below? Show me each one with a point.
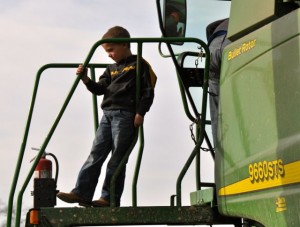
(169, 215)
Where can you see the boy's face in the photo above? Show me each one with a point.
(115, 51)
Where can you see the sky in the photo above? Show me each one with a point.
(35, 33)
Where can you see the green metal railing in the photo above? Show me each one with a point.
(200, 122)
(48, 137)
(199, 119)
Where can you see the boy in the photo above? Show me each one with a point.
(121, 116)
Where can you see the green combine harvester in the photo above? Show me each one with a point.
(257, 179)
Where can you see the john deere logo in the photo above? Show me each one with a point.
(280, 204)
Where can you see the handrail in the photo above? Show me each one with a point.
(140, 135)
(95, 106)
(200, 121)
(25, 137)
(126, 156)
(139, 41)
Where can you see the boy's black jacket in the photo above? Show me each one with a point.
(118, 85)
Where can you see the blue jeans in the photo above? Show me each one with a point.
(115, 133)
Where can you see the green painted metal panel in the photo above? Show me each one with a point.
(204, 196)
(246, 13)
(258, 160)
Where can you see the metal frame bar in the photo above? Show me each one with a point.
(139, 41)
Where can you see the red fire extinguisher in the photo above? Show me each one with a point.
(43, 168)
(44, 188)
